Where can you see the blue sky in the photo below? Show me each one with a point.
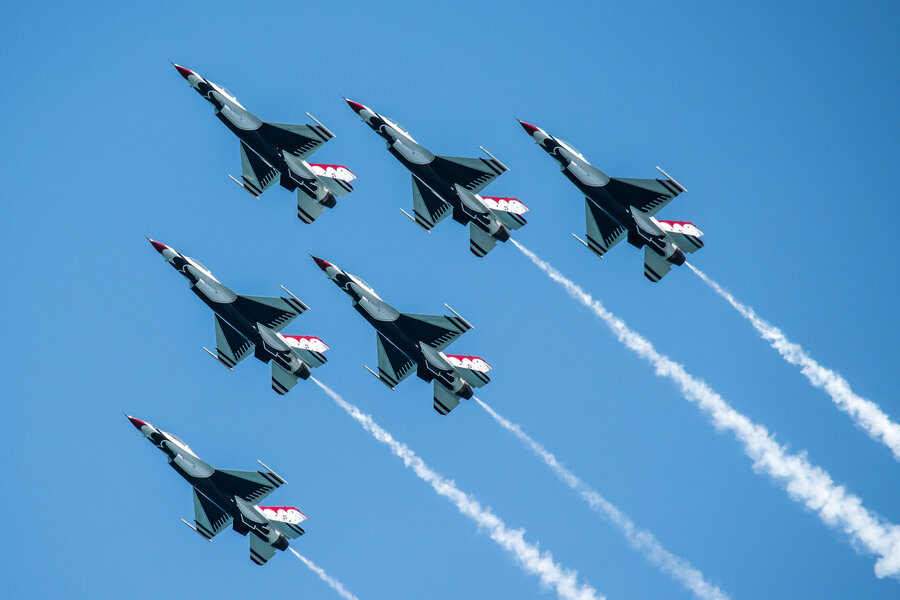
(781, 122)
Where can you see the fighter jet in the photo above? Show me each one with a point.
(620, 209)
(408, 343)
(445, 184)
(273, 152)
(223, 498)
(246, 324)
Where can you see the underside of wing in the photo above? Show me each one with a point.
(393, 365)
(258, 175)
(434, 330)
(474, 174)
(231, 346)
(429, 208)
(299, 140)
(273, 312)
(209, 518)
(250, 486)
(647, 195)
(603, 232)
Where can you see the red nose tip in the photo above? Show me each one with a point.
(323, 264)
(528, 127)
(159, 247)
(136, 422)
(184, 72)
(356, 106)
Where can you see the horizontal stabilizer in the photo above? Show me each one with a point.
(282, 379)
(655, 266)
(335, 178)
(444, 399)
(685, 235)
(480, 241)
(260, 550)
(471, 368)
(308, 209)
(309, 348)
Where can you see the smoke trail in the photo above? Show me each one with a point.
(805, 483)
(331, 581)
(640, 539)
(866, 413)
(564, 581)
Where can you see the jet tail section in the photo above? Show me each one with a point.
(508, 211)
(655, 266)
(260, 550)
(473, 369)
(309, 348)
(444, 399)
(685, 235)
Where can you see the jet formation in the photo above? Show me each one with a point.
(618, 209)
(408, 342)
(449, 185)
(273, 152)
(251, 324)
(223, 497)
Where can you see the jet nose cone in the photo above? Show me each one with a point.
(356, 106)
(159, 247)
(136, 422)
(184, 72)
(528, 127)
(323, 264)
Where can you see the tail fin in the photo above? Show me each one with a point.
(471, 368)
(336, 178)
(285, 519)
(508, 211)
(685, 235)
(309, 348)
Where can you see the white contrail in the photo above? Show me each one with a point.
(564, 581)
(640, 539)
(866, 413)
(331, 581)
(805, 483)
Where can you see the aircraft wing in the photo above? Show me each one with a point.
(393, 365)
(471, 173)
(299, 140)
(231, 346)
(436, 331)
(429, 208)
(603, 232)
(258, 175)
(209, 518)
(273, 312)
(647, 195)
(251, 486)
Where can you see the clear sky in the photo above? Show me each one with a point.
(781, 121)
